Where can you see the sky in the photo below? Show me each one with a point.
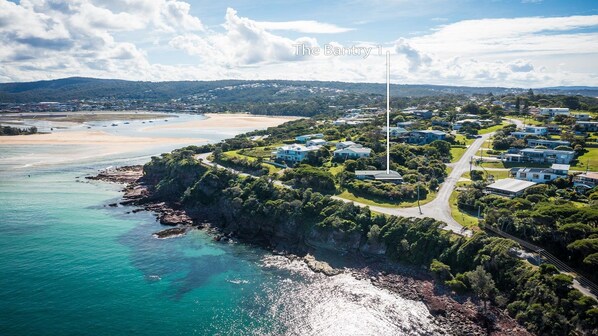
(509, 43)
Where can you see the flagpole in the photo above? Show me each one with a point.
(388, 112)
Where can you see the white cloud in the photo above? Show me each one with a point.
(309, 27)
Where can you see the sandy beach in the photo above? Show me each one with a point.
(232, 120)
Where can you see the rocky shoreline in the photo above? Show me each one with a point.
(458, 315)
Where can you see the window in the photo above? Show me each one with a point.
(536, 176)
(547, 177)
(523, 175)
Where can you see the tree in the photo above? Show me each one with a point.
(441, 270)
(481, 284)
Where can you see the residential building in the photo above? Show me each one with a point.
(424, 137)
(459, 124)
(405, 124)
(583, 117)
(553, 129)
(462, 116)
(540, 175)
(306, 137)
(508, 187)
(345, 144)
(551, 144)
(294, 153)
(353, 152)
(379, 175)
(553, 111)
(394, 131)
(540, 156)
(587, 126)
(316, 142)
(422, 114)
(530, 130)
(588, 180)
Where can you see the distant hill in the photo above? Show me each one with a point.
(231, 91)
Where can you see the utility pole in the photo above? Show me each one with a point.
(388, 121)
(419, 206)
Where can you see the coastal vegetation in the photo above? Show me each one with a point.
(9, 130)
(258, 210)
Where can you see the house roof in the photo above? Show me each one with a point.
(592, 175)
(299, 148)
(362, 150)
(511, 185)
(557, 166)
(553, 151)
(380, 174)
(435, 132)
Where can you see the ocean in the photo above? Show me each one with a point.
(72, 265)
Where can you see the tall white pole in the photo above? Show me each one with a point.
(388, 112)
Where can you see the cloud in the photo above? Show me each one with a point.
(309, 27)
(415, 58)
(521, 66)
(245, 42)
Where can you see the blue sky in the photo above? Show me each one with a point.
(527, 43)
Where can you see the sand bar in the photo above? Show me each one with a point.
(229, 120)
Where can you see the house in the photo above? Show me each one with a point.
(462, 116)
(460, 123)
(587, 126)
(551, 144)
(540, 156)
(424, 137)
(530, 130)
(294, 153)
(588, 180)
(553, 129)
(345, 144)
(305, 138)
(316, 142)
(508, 187)
(394, 131)
(554, 111)
(405, 124)
(379, 175)
(355, 152)
(422, 114)
(583, 117)
(540, 175)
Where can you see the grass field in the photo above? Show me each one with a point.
(588, 160)
(493, 128)
(464, 139)
(462, 217)
(498, 174)
(510, 165)
(457, 153)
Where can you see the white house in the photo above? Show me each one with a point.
(352, 152)
(553, 111)
(540, 156)
(531, 130)
(316, 142)
(540, 175)
(508, 187)
(294, 153)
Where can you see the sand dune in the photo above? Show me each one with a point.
(236, 120)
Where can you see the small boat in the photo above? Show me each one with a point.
(114, 125)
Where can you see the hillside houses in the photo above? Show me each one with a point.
(587, 180)
(424, 137)
(379, 175)
(586, 126)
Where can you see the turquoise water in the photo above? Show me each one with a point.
(70, 265)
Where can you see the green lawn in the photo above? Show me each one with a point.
(514, 164)
(385, 204)
(464, 139)
(492, 128)
(528, 121)
(498, 174)
(462, 217)
(588, 160)
(457, 153)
